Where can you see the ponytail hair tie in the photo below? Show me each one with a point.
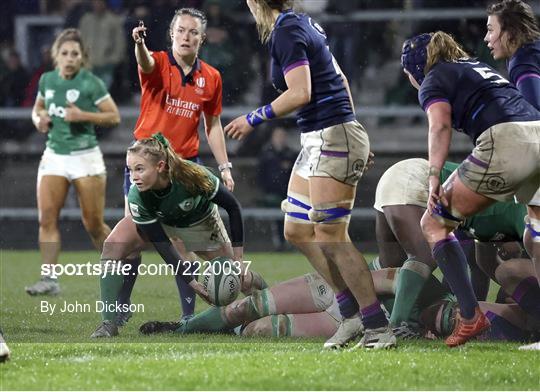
(161, 139)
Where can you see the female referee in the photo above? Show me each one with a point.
(177, 88)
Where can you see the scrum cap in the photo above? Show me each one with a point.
(414, 56)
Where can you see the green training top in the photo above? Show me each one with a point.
(85, 91)
(502, 221)
(173, 206)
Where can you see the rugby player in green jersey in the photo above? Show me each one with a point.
(71, 101)
(170, 198)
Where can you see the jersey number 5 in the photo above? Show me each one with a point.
(488, 73)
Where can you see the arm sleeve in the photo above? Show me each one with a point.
(157, 236)
(226, 200)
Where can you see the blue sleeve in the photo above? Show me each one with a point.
(431, 91)
(529, 86)
(290, 47)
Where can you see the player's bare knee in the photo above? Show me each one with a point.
(94, 226)
(297, 237)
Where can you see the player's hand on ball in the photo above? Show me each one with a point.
(200, 291)
(238, 128)
(44, 121)
(73, 113)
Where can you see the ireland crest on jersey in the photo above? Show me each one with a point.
(187, 205)
(72, 95)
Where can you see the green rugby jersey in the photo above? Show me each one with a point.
(502, 221)
(85, 91)
(174, 206)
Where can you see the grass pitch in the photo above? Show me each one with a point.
(55, 351)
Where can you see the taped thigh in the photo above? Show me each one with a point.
(451, 219)
(532, 225)
(331, 212)
(296, 207)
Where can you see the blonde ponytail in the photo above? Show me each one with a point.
(443, 47)
(193, 177)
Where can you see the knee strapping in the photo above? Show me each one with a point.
(322, 294)
(296, 207)
(418, 267)
(282, 325)
(261, 304)
(450, 219)
(533, 226)
(330, 212)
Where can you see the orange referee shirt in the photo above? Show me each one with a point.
(172, 103)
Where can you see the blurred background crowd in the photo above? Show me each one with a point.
(365, 36)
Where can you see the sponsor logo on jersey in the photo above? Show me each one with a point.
(181, 108)
(49, 94)
(187, 205)
(134, 208)
(72, 95)
(58, 111)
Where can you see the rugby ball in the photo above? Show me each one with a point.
(221, 281)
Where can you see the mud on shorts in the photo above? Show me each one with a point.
(208, 234)
(405, 183)
(340, 152)
(505, 162)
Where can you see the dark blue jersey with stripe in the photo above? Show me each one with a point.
(298, 40)
(524, 71)
(479, 96)
(525, 61)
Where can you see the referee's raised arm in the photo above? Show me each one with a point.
(142, 54)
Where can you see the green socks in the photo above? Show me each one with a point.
(110, 284)
(210, 320)
(411, 280)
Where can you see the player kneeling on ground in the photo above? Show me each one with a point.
(170, 198)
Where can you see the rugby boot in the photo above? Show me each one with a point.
(4, 349)
(349, 330)
(377, 339)
(106, 329)
(44, 286)
(532, 346)
(463, 330)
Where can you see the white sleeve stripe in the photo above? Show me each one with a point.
(215, 190)
(144, 223)
(98, 101)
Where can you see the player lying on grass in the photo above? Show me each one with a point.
(4, 349)
(306, 307)
(400, 201)
(170, 198)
